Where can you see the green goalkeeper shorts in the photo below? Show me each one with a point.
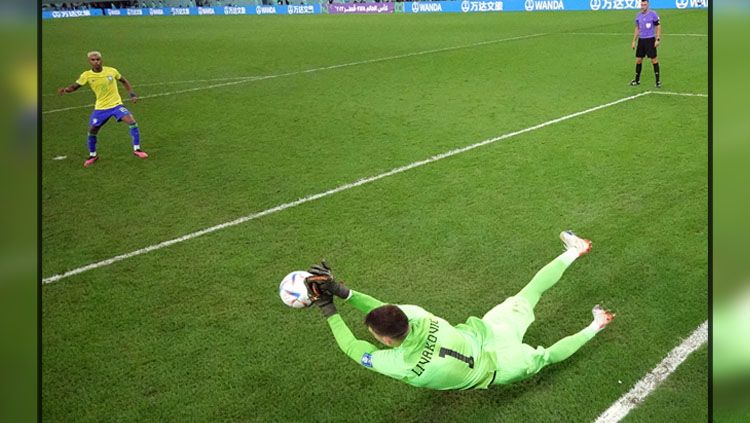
(508, 322)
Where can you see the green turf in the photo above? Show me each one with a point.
(681, 398)
(196, 331)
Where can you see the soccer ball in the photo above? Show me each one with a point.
(293, 291)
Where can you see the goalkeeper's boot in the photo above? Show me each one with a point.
(635, 82)
(571, 240)
(140, 153)
(658, 84)
(602, 317)
(90, 161)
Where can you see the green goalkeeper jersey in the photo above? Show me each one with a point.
(433, 355)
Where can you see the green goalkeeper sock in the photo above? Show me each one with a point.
(565, 347)
(547, 277)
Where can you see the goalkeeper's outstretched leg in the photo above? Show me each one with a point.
(553, 271)
(565, 347)
(513, 316)
(527, 361)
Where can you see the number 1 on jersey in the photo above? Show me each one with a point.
(457, 356)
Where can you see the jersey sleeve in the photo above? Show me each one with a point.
(414, 312)
(82, 80)
(387, 362)
(351, 346)
(116, 74)
(363, 302)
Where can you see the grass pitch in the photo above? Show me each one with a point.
(196, 331)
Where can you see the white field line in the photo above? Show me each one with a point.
(338, 189)
(679, 94)
(631, 34)
(187, 90)
(235, 78)
(342, 65)
(189, 81)
(193, 81)
(344, 187)
(655, 377)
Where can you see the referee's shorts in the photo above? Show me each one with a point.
(646, 47)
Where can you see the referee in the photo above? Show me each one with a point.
(648, 35)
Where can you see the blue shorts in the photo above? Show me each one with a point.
(100, 117)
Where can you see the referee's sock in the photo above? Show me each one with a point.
(656, 72)
(638, 69)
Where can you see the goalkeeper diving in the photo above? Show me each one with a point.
(427, 351)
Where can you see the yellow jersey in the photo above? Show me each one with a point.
(26, 84)
(104, 86)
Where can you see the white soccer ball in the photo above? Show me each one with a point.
(293, 291)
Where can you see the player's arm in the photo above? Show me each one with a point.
(360, 351)
(349, 344)
(658, 33)
(363, 302)
(129, 88)
(69, 89)
(365, 353)
(635, 36)
(322, 280)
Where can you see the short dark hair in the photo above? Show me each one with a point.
(388, 320)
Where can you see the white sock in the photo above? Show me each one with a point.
(92, 154)
(136, 147)
(569, 256)
(596, 325)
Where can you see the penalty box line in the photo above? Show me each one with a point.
(648, 384)
(313, 197)
(324, 68)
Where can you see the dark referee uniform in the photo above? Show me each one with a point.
(646, 23)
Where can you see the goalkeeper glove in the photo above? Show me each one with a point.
(325, 303)
(322, 299)
(326, 282)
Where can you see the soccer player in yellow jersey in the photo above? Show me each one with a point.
(23, 84)
(102, 80)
